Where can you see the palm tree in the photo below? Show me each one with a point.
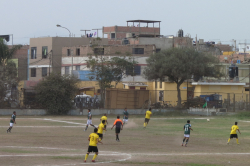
(6, 53)
(8, 70)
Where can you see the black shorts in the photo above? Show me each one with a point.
(92, 149)
(146, 120)
(100, 135)
(105, 126)
(233, 136)
(117, 130)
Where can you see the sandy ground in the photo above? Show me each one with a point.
(52, 140)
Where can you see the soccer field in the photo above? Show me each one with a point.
(60, 140)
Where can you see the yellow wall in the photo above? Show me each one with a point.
(20, 93)
(228, 52)
(223, 90)
(170, 92)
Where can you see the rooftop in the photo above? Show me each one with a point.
(217, 83)
(143, 21)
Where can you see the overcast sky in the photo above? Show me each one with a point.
(211, 20)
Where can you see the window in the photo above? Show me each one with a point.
(161, 84)
(44, 71)
(112, 35)
(68, 52)
(78, 51)
(33, 72)
(138, 51)
(137, 71)
(142, 88)
(44, 52)
(132, 87)
(158, 50)
(33, 53)
(99, 51)
(156, 84)
(66, 70)
(78, 67)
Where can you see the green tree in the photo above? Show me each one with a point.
(106, 70)
(8, 70)
(56, 93)
(180, 64)
(7, 52)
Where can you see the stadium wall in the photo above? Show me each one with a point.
(32, 112)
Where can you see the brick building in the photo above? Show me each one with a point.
(138, 28)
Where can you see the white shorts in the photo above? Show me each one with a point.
(89, 121)
(187, 135)
(11, 124)
(125, 120)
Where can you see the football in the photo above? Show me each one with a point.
(208, 120)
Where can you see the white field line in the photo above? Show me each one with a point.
(244, 121)
(64, 121)
(42, 126)
(186, 154)
(180, 118)
(25, 147)
(108, 153)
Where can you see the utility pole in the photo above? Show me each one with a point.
(235, 46)
(97, 30)
(85, 31)
(50, 57)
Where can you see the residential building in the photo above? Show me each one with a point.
(46, 54)
(138, 28)
(21, 59)
(81, 53)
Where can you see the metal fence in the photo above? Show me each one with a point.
(156, 99)
(160, 99)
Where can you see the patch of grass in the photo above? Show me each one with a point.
(67, 157)
(243, 115)
(173, 113)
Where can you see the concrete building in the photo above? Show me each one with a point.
(138, 28)
(46, 54)
(138, 52)
(21, 59)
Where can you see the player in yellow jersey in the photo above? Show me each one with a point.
(104, 117)
(233, 133)
(93, 140)
(147, 117)
(101, 128)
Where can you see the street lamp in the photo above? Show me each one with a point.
(69, 47)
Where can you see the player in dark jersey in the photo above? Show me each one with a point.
(125, 116)
(89, 121)
(118, 127)
(12, 121)
(187, 128)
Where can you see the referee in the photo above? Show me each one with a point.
(118, 127)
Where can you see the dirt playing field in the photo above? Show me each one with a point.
(60, 140)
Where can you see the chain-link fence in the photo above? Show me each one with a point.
(157, 99)
(161, 99)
